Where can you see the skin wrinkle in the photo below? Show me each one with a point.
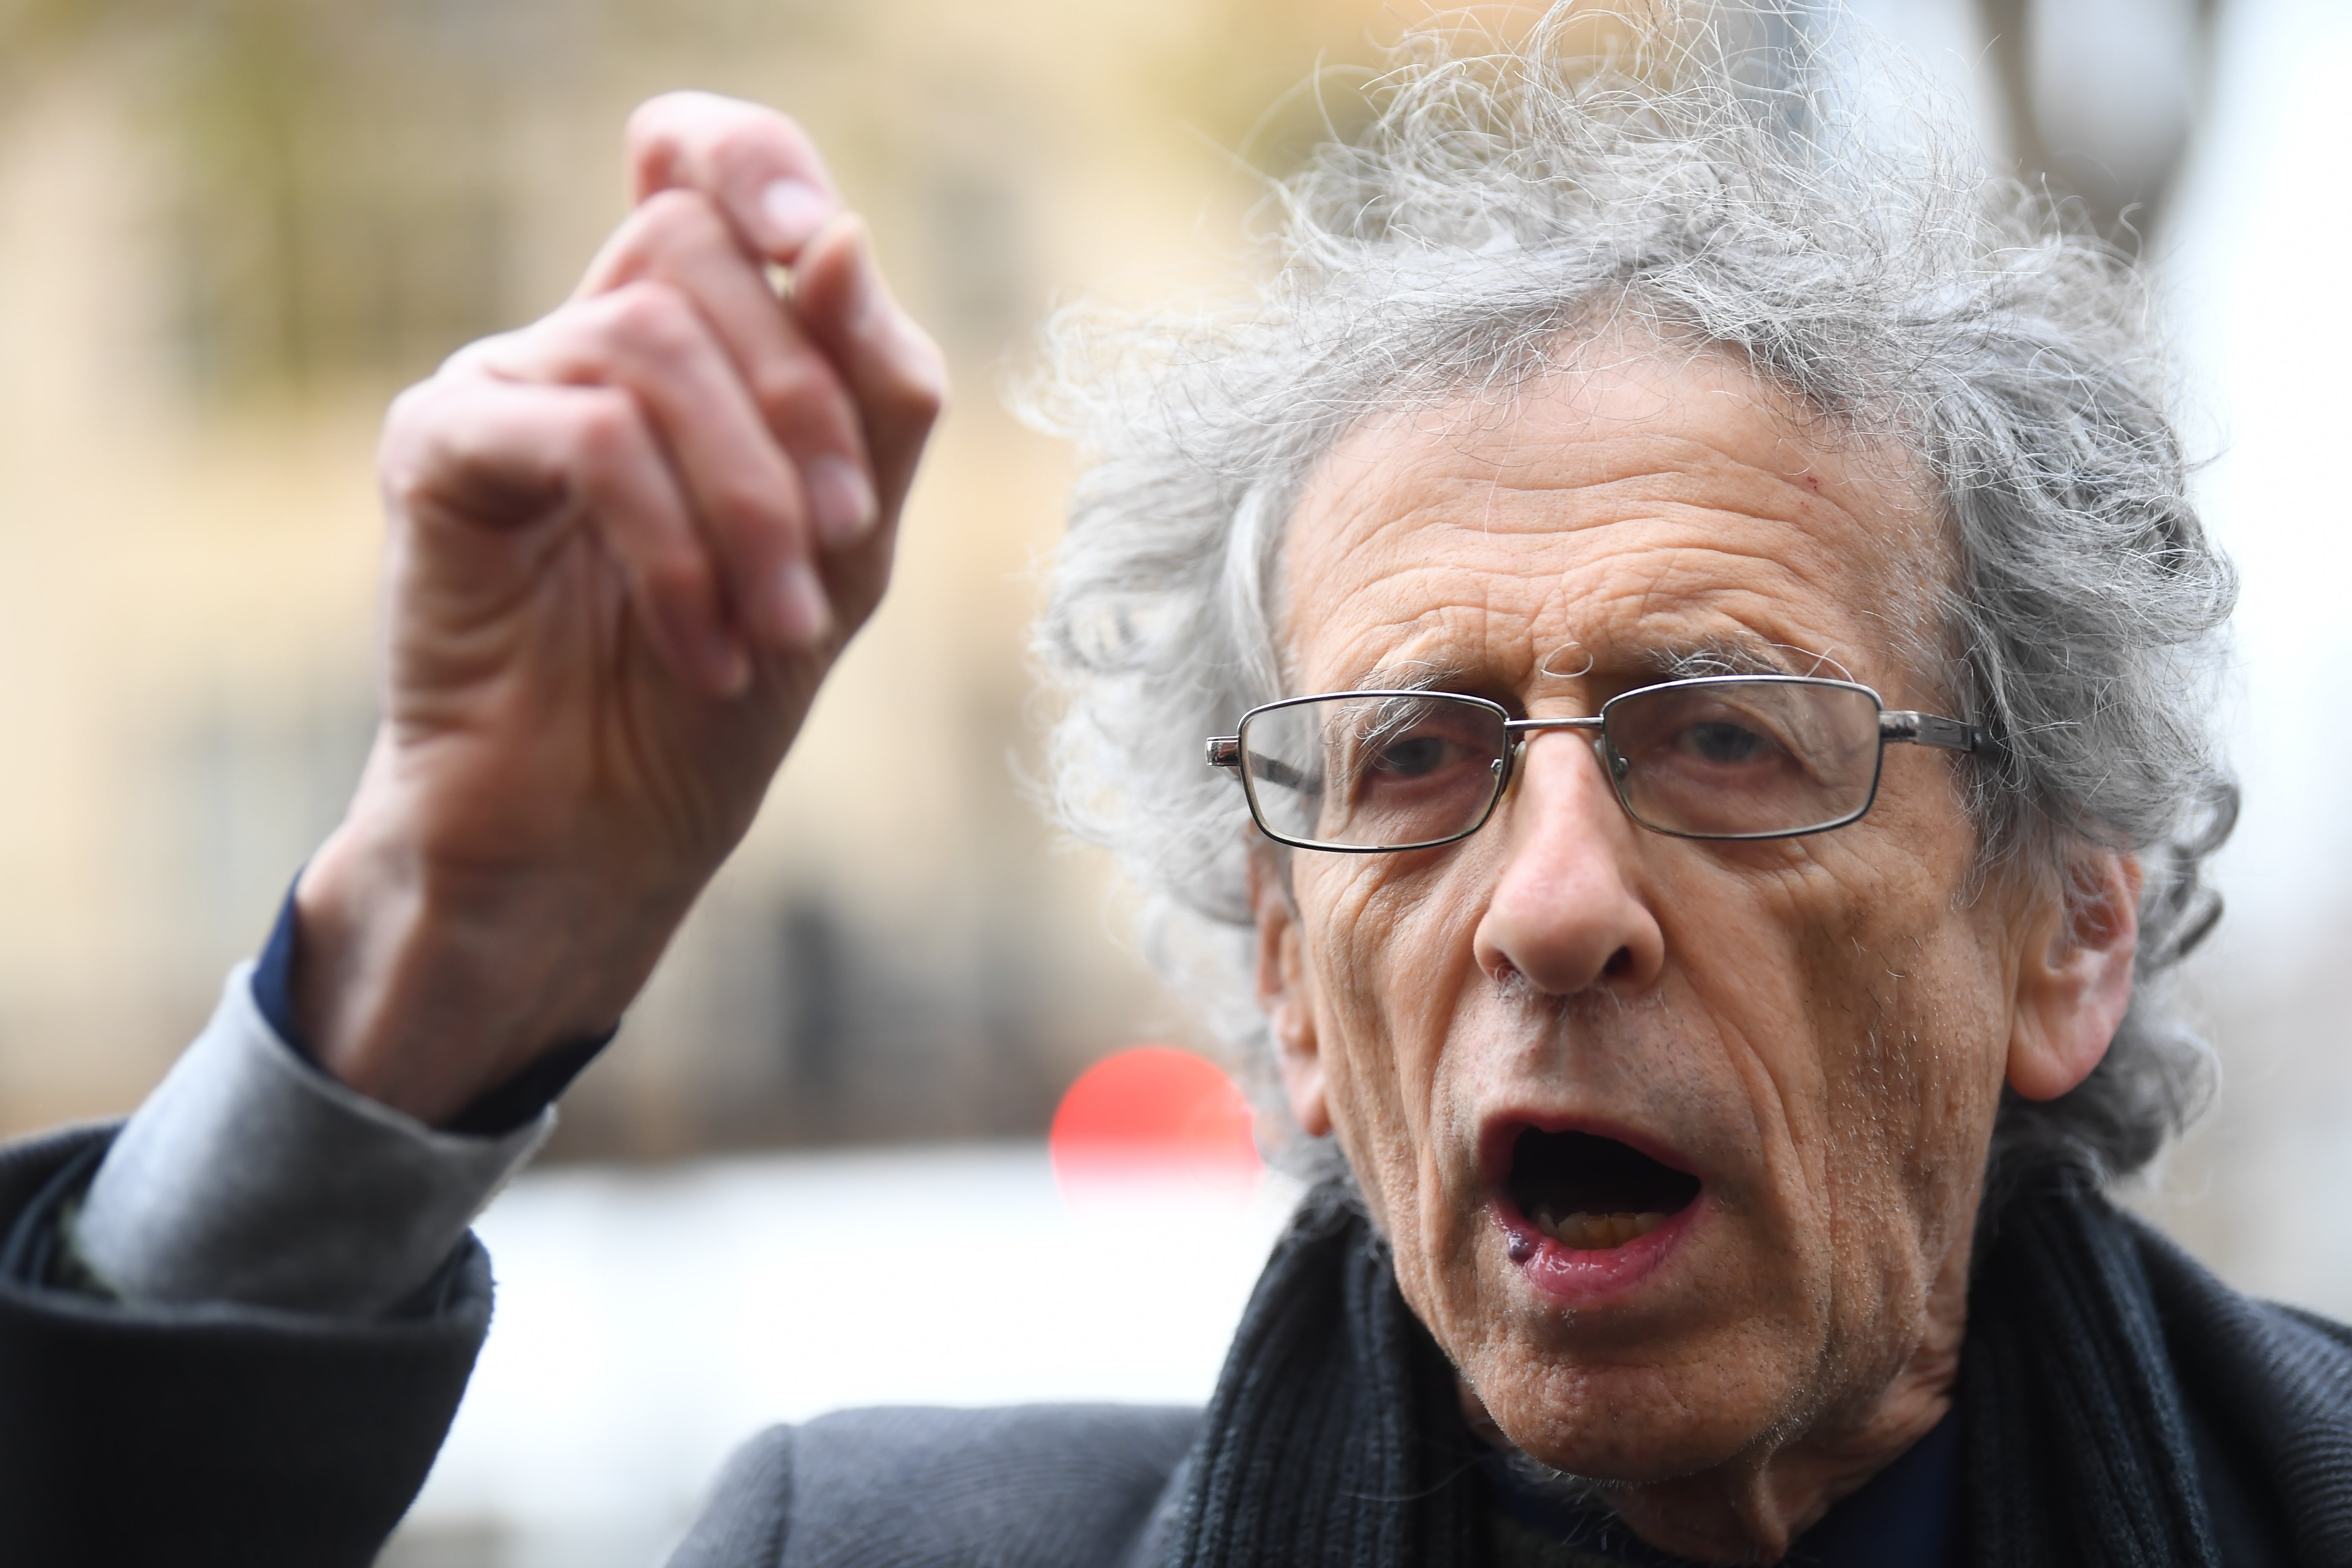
(1836, 1105)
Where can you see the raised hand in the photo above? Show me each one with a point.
(626, 544)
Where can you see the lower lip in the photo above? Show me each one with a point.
(1583, 1277)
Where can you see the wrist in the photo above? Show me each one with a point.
(423, 985)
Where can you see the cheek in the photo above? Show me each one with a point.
(1914, 1069)
(1858, 1010)
(1390, 952)
(1770, 953)
(1920, 1086)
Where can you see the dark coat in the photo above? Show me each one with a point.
(225, 1436)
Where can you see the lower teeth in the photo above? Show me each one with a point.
(1597, 1232)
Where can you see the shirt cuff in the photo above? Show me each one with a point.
(504, 1108)
(250, 1176)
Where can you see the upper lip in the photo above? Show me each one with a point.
(1502, 1128)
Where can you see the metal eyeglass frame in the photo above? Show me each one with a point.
(1895, 726)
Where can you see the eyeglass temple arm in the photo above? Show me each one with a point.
(1225, 751)
(1928, 730)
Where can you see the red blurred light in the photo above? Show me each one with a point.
(1154, 1112)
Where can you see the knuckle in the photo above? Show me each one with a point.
(919, 395)
(914, 384)
(679, 217)
(794, 388)
(401, 469)
(650, 317)
(411, 407)
(605, 432)
(927, 394)
(474, 358)
(422, 417)
(425, 441)
(746, 506)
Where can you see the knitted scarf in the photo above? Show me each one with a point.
(1335, 1436)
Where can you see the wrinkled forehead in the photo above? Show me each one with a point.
(1656, 515)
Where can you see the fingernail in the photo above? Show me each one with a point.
(841, 500)
(795, 210)
(802, 617)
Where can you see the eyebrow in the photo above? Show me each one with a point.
(1413, 675)
(1712, 656)
(1722, 655)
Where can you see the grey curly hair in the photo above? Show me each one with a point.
(1503, 204)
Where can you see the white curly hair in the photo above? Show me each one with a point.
(1511, 201)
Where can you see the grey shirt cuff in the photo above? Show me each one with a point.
(250, 1176)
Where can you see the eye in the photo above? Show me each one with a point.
(1725, 744)
(1413, 756)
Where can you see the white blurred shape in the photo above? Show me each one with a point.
(2256, 255)
(1943, 42)
(2260, 241)
(649, 1321)
(2113, 82)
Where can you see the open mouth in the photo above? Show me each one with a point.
(1589, 1192)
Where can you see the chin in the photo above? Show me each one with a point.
(1621, 1424)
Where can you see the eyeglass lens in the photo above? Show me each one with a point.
(1373, 771)
(1722, 758)
(1737, 759)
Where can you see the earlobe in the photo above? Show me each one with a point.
(2074, 978)
(1282, 995)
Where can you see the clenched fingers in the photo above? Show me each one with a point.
(894, 371)
(678, 237)
(759, 166)
(749, 161)
(648, 339)
(474, 448)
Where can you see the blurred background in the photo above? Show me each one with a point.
(230, 230)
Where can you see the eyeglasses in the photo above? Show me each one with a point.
(1734, 756)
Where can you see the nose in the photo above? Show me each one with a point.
(1565, 914)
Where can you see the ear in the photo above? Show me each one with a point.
(2074, 979)
(1282, 993)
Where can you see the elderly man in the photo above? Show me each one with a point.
(1698, 639)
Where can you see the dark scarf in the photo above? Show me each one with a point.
(1335, 1436)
